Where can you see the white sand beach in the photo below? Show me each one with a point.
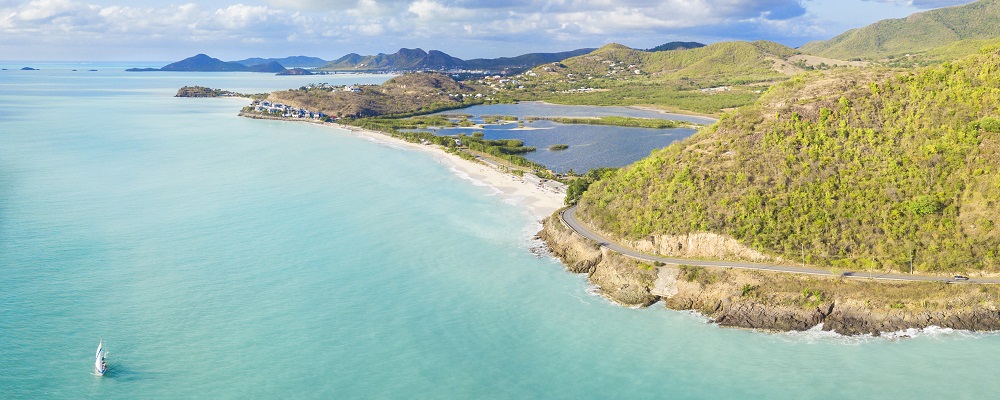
(541, 200)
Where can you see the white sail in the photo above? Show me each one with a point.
(99, 366)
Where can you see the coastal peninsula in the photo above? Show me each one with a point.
(841, 178)
(845, 171)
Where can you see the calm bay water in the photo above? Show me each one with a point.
(221, 257)
(590, 146)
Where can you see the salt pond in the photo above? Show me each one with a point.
(590, 146)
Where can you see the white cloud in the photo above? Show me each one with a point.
(388, 24)
(926, 4)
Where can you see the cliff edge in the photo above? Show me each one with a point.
(774, 301)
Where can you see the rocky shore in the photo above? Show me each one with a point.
(774, 301)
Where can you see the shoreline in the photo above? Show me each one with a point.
(538, 200)
(775, 301)
(766, 301)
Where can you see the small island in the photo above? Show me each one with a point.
(296, 71)
(557, 147)
(202, 91)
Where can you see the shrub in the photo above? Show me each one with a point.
(989, 124)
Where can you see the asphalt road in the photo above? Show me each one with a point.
(568, 217)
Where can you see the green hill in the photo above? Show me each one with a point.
(850, 168)
(413, 93)
(293, 61)
(706, 79)
(419, 60)
(203, 63)
(522, 62)
(677, 46)
(914, 34)
(715, 64)
(402, 60)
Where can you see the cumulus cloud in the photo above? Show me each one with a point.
(271, 24)
(926, 4)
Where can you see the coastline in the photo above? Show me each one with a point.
(758, 300)
(538, 200)
(775, 301)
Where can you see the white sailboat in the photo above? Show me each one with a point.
(100, 367)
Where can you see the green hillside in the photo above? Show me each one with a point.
(712, 65)
(914, 34)
(619, 75)
(851, 168)
(414, 93)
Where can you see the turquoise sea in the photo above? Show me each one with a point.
(226, 258)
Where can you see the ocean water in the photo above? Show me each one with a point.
(222, 257)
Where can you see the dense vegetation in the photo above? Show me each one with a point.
(914, 34)
(851, 168)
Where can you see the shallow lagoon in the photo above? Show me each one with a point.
(590, 146)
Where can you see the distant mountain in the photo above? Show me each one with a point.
(523, 61)
(294, 61)
(418, 59)
(402, 60)
(677, 46)
(295, 71)
(203, 63)
(271, 66)
(917, 33)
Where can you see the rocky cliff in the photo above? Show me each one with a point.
(777, 301)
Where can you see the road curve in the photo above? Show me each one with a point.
(568, 217)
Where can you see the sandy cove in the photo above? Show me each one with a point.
(540, 200)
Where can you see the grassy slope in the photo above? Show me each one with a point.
(719, 63)
(851, 166)
(916, 33)
(666, 79)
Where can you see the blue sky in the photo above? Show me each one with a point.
(151, 30)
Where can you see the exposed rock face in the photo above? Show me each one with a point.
(699, 245)
(855, 319)
(616, 275)
(752, 299)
